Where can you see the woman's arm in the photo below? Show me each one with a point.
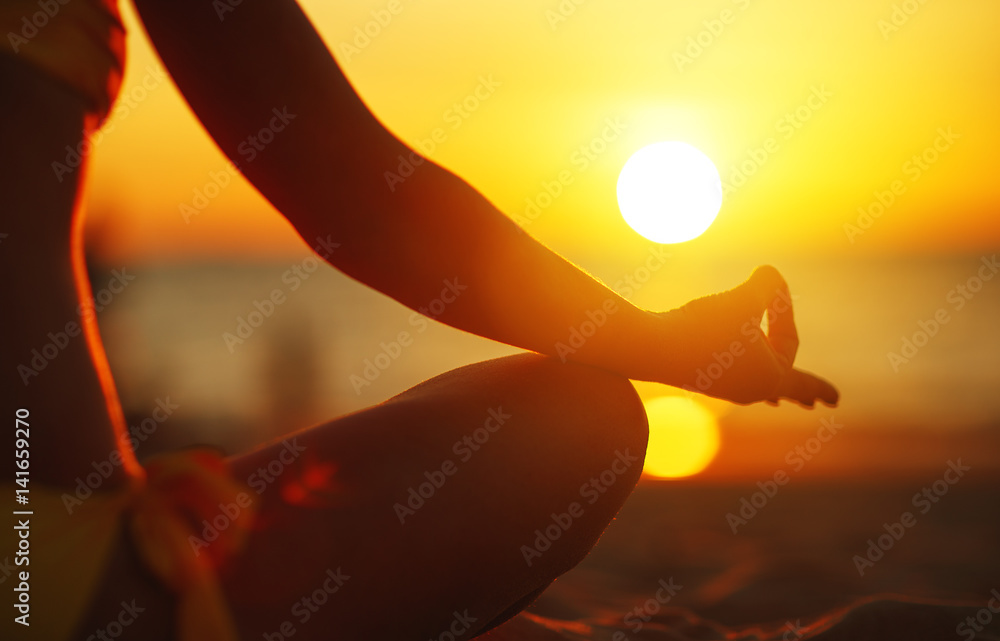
(325, 172)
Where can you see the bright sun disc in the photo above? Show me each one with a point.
(683, 437)
(669, 192)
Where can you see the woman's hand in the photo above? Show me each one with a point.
(717, 346)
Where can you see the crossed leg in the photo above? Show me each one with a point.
(524, 437)
(344, 551)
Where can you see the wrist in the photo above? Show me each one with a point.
(650, 340)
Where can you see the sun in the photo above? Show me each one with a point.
(683, 437)
(669, 192)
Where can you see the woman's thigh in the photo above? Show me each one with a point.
(439, 509)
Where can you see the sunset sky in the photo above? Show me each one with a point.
(812, 113)
(863, 94)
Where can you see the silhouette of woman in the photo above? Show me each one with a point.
(332, 555)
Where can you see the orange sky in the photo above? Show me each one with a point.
(880, 95)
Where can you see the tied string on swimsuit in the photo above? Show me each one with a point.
(180, 491)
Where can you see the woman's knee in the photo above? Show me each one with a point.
(575, 456)
(530, 436)
(588, 415)
(536, 404)
(602, 409)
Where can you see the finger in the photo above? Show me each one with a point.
(767, 292)
(771, 294)
(805, 388)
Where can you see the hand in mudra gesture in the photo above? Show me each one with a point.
(720, 349)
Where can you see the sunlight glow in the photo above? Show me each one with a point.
(669, 192)
(683, 437)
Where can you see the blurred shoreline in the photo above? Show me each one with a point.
(175, 331)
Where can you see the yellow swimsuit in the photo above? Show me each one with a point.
(72, 541)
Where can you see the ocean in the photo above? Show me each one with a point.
(912, 342)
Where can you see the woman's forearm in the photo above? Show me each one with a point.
(435, 234)
(324, 170)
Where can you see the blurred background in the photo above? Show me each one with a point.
(857, 146)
